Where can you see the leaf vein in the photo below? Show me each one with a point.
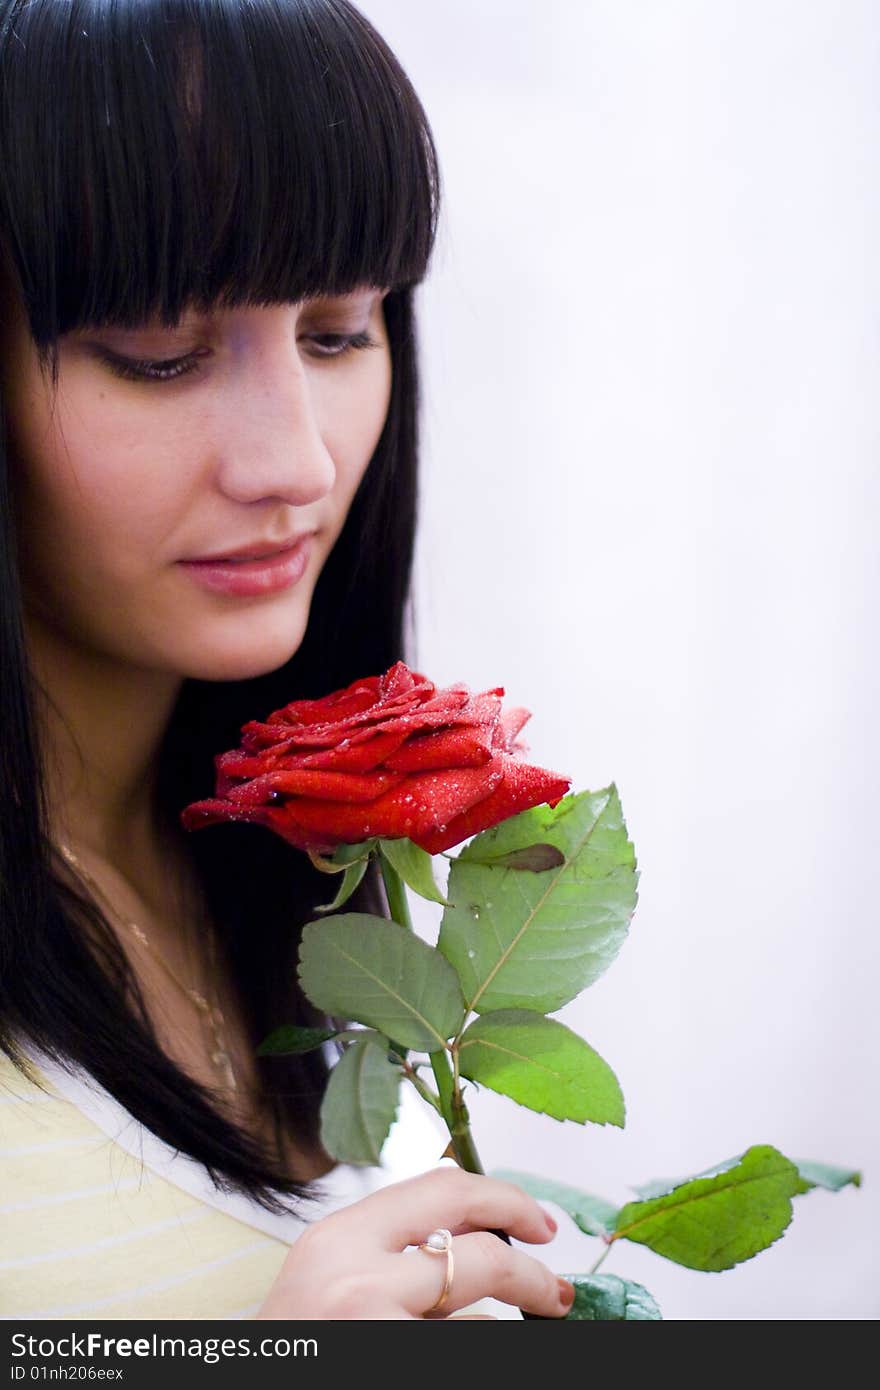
(505, 954)
(384, 987)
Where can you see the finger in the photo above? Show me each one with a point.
(405, 1213)
(483, 1267)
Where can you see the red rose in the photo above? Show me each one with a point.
(389, 756)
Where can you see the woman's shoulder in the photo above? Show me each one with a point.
(87, 1228)
(33, 1116)
(99, 1217)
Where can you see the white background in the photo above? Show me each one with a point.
(649, 511)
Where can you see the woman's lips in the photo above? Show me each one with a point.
(247, 578)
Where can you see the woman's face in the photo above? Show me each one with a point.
(258, 428)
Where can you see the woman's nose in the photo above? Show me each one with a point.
(271, 442)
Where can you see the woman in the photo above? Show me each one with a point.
(213, 215)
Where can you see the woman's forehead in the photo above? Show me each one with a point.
(278, 154)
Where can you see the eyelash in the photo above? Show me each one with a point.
(172, 368)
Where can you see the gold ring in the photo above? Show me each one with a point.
(440, 1243)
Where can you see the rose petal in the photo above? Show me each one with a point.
(411, 809)
(213, 812)
(320, 786)
(464, 746)
(512, 720)
(408, 721)
(400, 679)
(388, 755)
(341, 705)
(350, 755)
(361, 753)
(521, 787)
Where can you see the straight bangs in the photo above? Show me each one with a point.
(158, 155)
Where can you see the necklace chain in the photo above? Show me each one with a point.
(210, 1012)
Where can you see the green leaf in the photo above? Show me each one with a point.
(715, 1220)
(542, 1064)
(824, 1175)
(593, 1215)
(342, 856)
(658, 1187)
(350, 880)
(365, 968)
(535, 858)
(290, 1039)
(813, 1174)
(350, 854)
(359, 1104)
(606, 1298)
(415, 866)
(534, 940)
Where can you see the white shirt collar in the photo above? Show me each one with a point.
(414, 1144)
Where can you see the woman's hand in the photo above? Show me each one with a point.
(354, 1262)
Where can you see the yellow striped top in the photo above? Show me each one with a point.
(101, 1219)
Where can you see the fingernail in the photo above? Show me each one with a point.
(566, 1293)
(551, 1224)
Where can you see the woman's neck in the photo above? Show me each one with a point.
(101, 726)
(101, 723)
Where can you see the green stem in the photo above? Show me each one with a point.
(604, 1256)
(464, 1140)
(399, 909)
(424, 1091)
(452, 1107)
(443, 1077)
(455, 1114)
(450, 1102)
(457, 1120)
(395, 893)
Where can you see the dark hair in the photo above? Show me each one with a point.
(156, 154)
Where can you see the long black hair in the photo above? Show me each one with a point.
(156, 154)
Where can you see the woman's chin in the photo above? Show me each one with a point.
(254, 651)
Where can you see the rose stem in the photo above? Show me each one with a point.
(398, 906)
(395, 893)
(455, 1114)
(452, 1106)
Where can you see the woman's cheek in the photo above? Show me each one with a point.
(354, 420)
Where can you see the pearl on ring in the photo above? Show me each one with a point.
(438, 1240)
(440, 1243)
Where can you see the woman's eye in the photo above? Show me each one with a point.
(145, 369)
(335, 344)
(171, 368)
